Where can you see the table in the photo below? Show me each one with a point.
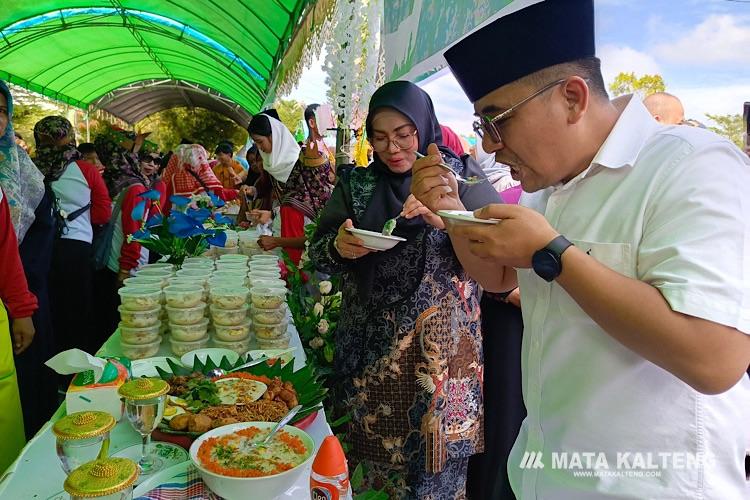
(37, 473)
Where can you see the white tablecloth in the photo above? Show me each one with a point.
(37, 473)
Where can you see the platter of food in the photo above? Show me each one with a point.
(200, 401)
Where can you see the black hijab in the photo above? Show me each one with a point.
(392, 189)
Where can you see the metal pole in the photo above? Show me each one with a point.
(88, 127)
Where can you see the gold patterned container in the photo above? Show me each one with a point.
(82, 437)
(143, 388)
(107, 478)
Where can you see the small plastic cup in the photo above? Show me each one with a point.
(268, 316)
(139, 299)
(229, 297)
(194, 273)
(159, 265)
(140, 351)
(186, 316)
(184, 295)
(160, 273)
(267, 283)
(279, 343)
(233, 258)
(189, 333)
(139, 319)
(232, 333)
(239, 346)
(267, 298)
(144, 282)
(180, 348)
(270, 331)
(136, 336)
(229, 317)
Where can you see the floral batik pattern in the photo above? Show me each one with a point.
(409, 362)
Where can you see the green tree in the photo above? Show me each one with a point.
(205, 127)
(25, 117)
(292, 114)
(629, 83)
(730, 126)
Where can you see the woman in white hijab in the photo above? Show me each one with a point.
(300, 191)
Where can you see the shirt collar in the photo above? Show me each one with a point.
(626, 140)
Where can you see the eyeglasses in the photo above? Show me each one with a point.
(491, 124)
(403, 140)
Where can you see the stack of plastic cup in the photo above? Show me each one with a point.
(269, 317)
(186, 309)
(231, 327)
(140, 310)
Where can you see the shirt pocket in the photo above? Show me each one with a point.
(616, 256)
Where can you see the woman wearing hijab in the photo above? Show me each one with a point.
(125, 257)
(30, 206)
(17, 303)
(189, 173)
(257, 190)
(409, 342)
(83, 202)
(302, 190)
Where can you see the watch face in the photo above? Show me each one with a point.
(546, 264)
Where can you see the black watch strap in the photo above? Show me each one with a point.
(559, 245)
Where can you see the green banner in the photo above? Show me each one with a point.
(415, 33)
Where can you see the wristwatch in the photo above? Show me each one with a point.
(547, 262)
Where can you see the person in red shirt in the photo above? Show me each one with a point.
(20, 304)
(188, 173)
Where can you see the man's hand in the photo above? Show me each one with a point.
(348, 245)
(511, 242)
(414, 208)
(268, 242)
(433, 186)
(23, 334)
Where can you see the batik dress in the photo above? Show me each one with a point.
(408, 359)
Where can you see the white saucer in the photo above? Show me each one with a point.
(465, 216)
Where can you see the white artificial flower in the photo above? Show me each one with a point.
(323, 327)
(318, 309)
(325, 287)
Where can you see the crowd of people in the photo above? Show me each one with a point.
(604, 310)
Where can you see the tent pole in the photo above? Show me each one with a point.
(88, 128)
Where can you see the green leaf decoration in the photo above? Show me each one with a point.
(310, 390)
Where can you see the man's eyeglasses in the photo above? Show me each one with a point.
(491, 125)
(403, 140)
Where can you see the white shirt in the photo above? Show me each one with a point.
(73, 192)
(667, 206)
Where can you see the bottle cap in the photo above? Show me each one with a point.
(330, 460)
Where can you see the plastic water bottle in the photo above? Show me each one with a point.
(329, 479)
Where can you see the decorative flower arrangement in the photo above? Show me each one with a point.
(189, 229)
(315, 306)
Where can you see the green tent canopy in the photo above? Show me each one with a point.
(135, 57)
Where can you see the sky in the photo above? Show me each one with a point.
(699, 47)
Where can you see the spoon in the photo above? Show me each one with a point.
(220, 372)
(390, 225)
(472, 180)
(287, 418)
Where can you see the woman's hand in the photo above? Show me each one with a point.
(260, 216)
(268, 242)
(249, 190)
(414, 208)
(432, 185)
(349, 246)
(23, 334)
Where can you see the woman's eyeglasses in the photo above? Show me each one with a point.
(404, 140)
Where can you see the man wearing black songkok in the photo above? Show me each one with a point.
(630, 251)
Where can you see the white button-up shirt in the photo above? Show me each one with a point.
(668, 206)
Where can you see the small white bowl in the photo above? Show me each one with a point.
(214, 353)
(375, 241)
(234, 488)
